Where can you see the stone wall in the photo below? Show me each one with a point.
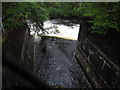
(19, 45)
(99, 57)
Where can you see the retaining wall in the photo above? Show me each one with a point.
(19, 45)
(99, 57)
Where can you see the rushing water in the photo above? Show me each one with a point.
(56, 65)
(55, 61)
(60, 28)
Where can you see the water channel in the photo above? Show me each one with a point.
(55, 61)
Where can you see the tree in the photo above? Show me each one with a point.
(106, 16)
(16, 13)
(62, 9)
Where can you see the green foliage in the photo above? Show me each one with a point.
(16, 13)
(62, 9)
(106, 16)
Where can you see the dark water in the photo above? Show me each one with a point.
(55, 63)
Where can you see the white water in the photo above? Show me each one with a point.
(69, 32)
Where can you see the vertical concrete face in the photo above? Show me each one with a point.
(98, 64)
(20, 45)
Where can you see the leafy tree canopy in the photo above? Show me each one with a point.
(106, 15)
(16, 13)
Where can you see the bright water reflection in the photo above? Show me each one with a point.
(66, 28)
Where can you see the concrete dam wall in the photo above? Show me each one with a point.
(19, 46)
(99, 58)
(98, 55)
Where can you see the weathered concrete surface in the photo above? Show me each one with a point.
(56, 65)
(98, 55)
(20, 46)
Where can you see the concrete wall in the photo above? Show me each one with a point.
(18, 45)
(99, 58)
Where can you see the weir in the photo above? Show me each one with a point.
(51, 58)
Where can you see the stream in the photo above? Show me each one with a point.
(55, 61)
